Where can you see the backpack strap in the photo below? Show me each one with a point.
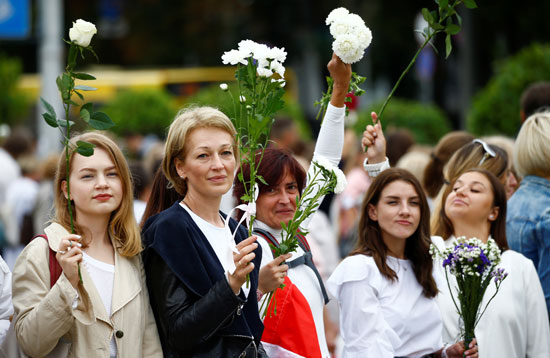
(268, 237)
(305, 259)
(55, 267)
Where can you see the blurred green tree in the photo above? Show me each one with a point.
(13, 103)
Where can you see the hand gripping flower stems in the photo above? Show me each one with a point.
(474, 265)
(80, 37)
(325, 179)
(260, 96)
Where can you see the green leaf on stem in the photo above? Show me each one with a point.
(427, 16)
(85, 115)
(470, 4)
(85, 88)
(50, 119)
(73, 52)
(448, 46)
(84, 148)
(261, 179)
(48, 106)
(79, 95)
(100, 121)
(83, 76)
(71, 102)
(443, 3)
(452, 29)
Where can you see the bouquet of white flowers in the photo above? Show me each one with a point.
(260, 79)
(474, 265)
(351, 39)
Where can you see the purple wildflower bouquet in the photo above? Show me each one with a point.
(474, 265)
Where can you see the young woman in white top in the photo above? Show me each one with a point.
(107, 312)
(385, 288)
(515, 324)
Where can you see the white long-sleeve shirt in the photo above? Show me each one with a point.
(380, 318)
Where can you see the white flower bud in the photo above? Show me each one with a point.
(224, 87)
(82, 32)
(242, 99)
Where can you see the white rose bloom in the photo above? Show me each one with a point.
(336, 14)
(224, 86)
(82, 32)
(264, 72)
(341, 181)
(278, 67)
(348, 48)
(233, 57)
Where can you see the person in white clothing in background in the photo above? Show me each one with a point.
(515, 324)
(385, 288)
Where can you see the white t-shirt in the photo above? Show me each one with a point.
(216, 237)
(515, 324)
(380, 318)
(103, 276)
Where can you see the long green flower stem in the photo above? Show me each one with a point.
(428, 39)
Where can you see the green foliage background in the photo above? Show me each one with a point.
(496, 107)
(142, 111)
(426, 122)
(13, 102)
(213, 96)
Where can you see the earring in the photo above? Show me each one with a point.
(491, 217)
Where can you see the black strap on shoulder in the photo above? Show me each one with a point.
(305, 259)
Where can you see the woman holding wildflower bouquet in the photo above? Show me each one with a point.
(299, 328)
(385, 288)
(106, 312)
(515, 323)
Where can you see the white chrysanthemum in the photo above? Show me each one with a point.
(233, 57)
(276, 66)
(364, 35)
(264, 72)
(247, 47)
(355, 20)
(261, 52)
(341, 27)
(277, 54)
(336, 14)
(341, 181)
(348, 48)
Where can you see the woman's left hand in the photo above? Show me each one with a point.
(457, 350)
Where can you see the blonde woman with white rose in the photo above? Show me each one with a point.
(106, 313)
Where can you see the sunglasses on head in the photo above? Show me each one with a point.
(488, 151)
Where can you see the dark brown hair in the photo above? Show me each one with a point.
(370, 240)
(498, 227)
(273, 166)
(164, 197)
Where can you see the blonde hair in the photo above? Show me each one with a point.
(122, 227)
(415, 161)
(186, 121)
(468, 157)
(532, 149)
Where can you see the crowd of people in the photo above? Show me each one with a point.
(155, 266)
